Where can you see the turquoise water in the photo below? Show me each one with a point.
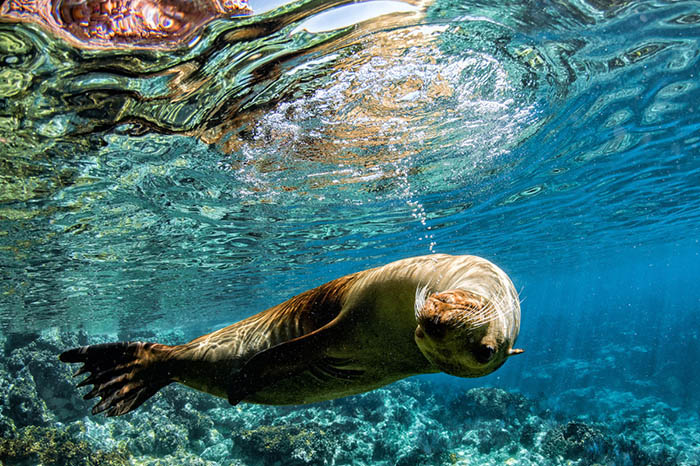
(161, 194)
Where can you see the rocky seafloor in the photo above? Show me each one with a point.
(44, 421)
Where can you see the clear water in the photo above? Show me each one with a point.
(148, 190)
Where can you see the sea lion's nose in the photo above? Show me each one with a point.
(484, 353)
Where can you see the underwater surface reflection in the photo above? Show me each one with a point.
(171, 167)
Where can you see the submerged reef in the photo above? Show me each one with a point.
(43, 420)
(576, 440)
(54, 446)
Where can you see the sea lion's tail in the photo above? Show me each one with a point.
(123, 374)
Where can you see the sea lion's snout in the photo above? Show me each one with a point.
(451, 310)
(462, 333)
(484, 353)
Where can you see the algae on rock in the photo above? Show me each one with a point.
(54, 447)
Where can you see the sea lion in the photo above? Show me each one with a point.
(455, 314)
(153, 24)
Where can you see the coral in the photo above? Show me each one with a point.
(413, 422)
(41, 387)
(415, 457)
(171, 337)
(487, 436)
(168, 438)
(155, 434)
(196, 423)
(218, 452)
(182, 458)
(21, 402)
(289, 444)
(528, 433)
(7, 427)
(576, 440)
(493, 439)
(50, 446)
(18, 340)
(178, 397)
(629, 452)
(491, 403)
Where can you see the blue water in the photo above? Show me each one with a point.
(164, 194)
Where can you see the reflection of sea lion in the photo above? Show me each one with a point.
(158, 24)
(457, 314)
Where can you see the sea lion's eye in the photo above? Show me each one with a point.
(484, 353)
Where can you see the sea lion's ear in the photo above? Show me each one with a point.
(514, 351)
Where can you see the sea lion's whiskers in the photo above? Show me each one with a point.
(421, 297)
(480, 317)
(492, 311)
(487, 314)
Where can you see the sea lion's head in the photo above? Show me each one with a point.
(466, 334)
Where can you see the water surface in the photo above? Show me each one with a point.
(187, 187)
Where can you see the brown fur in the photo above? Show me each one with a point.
(350, 335)
(207, 362)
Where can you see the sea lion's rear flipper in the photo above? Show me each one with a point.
(123, 374)
(287, 360)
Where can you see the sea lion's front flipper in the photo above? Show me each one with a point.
(287, 360)
(330, 368)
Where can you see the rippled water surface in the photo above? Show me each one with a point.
(276, 150)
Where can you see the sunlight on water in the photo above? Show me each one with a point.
(348, 15)
(384, 104)
(169, 167)
(304, 133)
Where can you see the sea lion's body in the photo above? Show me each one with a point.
(348, 336)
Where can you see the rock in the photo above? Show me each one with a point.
(413, 457)
(493, 439)
(288, 444)
(22, 403)
(197, 423)
(491, 403)
(218, 452)
(18, 340)
(413, 422)
(7, 427)
(45, 380)
(155, 434)
(576, 440)
(528, 434)
(50, 446)
(628, 451)
(178, 397)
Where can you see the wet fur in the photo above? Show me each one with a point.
(347, 336)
